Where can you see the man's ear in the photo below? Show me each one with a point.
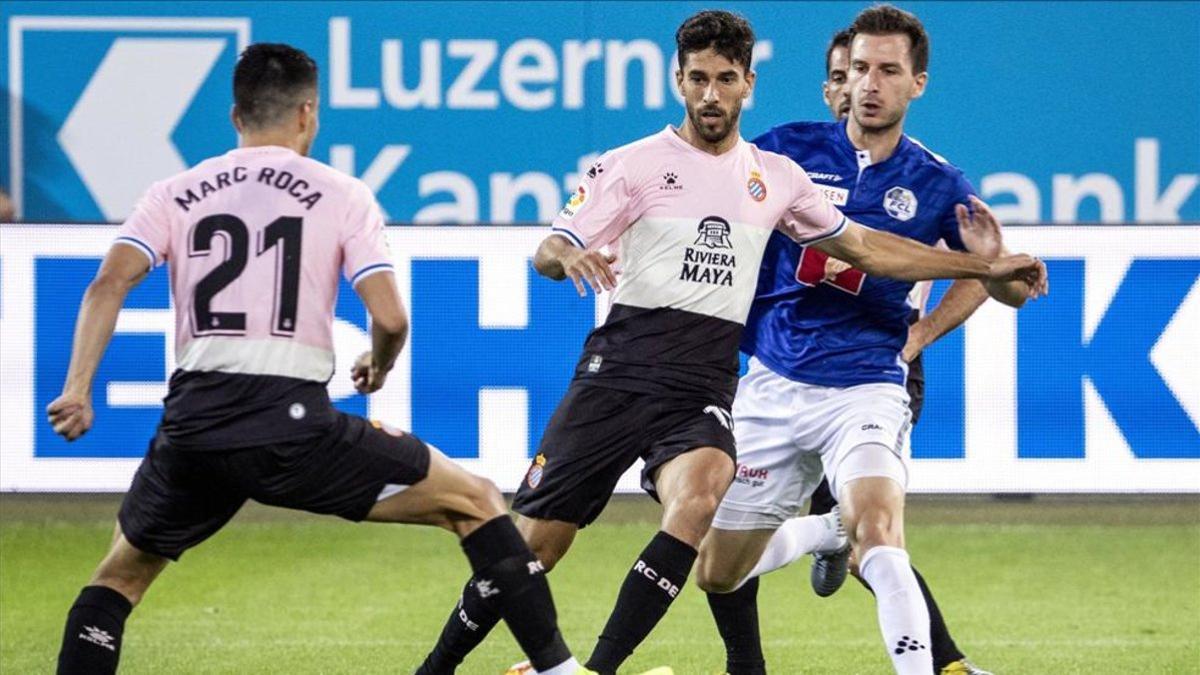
(751, 76)
(922, 79)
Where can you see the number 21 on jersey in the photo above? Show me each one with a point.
(282, 235)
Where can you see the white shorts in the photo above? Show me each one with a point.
(790, 433)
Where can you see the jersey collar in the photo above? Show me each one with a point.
(672, 133)
(863, 157)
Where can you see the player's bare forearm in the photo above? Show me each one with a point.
(1011, 293)
(123, 268)
(960, 301)
(885, 254)
(387, 343)
(93, 329)
(557, 258)
(389, 324)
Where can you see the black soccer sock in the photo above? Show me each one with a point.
(649, 588)
(736, 614)
(510, 581)
(822, 500)
(92, 639)
(469, 623)
(944, 650)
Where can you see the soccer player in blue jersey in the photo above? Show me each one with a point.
(825, 389)
(956, 306)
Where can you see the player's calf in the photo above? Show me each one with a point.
(690, 486)
(96, 622)
(548, 539)
(872, 503)
(508, 582)
(872, 512)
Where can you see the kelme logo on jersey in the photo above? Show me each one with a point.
(900, 203)
(670, 182)
(536, 471)
(756, 187)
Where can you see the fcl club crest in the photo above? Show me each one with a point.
(756, 187)
(714, 233)
(536, 470)
(900, 203)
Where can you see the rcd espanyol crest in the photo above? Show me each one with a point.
(900, 203)
(714, 233)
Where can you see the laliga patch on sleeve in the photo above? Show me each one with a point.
(573, 204)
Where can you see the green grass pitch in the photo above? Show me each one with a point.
(1064, 585)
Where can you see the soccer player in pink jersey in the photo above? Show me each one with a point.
(686, 214)
(255, 240)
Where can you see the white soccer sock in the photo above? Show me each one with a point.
(903, 616)
(568, 667)
(796, 538)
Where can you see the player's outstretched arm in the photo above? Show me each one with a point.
(558, 258)
(389, 331)
(123, 268)
(960, 301)
(980, 232)
(888, 255)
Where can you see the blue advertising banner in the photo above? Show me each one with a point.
(484, 112)
(1095, 387)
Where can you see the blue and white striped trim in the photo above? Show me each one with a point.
(828, 235)
(569, 235)
(143, 246)
(368, 271)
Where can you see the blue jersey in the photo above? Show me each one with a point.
(848, 330)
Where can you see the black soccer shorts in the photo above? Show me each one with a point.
(181, 497)
(596, 434)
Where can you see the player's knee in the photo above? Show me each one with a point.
(474, 502)
(548, 553)
(877, 527)
(692, 511)
(485, 500)
(713, 578)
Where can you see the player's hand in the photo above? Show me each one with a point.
(979, 228)
(71, 415)
(368, 378)
(834, 267)
(912, 349)
(1024, 268)
(591, 267)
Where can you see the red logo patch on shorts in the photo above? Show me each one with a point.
(388, 429)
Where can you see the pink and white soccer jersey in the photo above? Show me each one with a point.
(689, 229)
(255, 240)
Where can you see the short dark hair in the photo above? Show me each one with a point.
(727, 33)
(269, 80)
(840, 39)
(890, 20)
